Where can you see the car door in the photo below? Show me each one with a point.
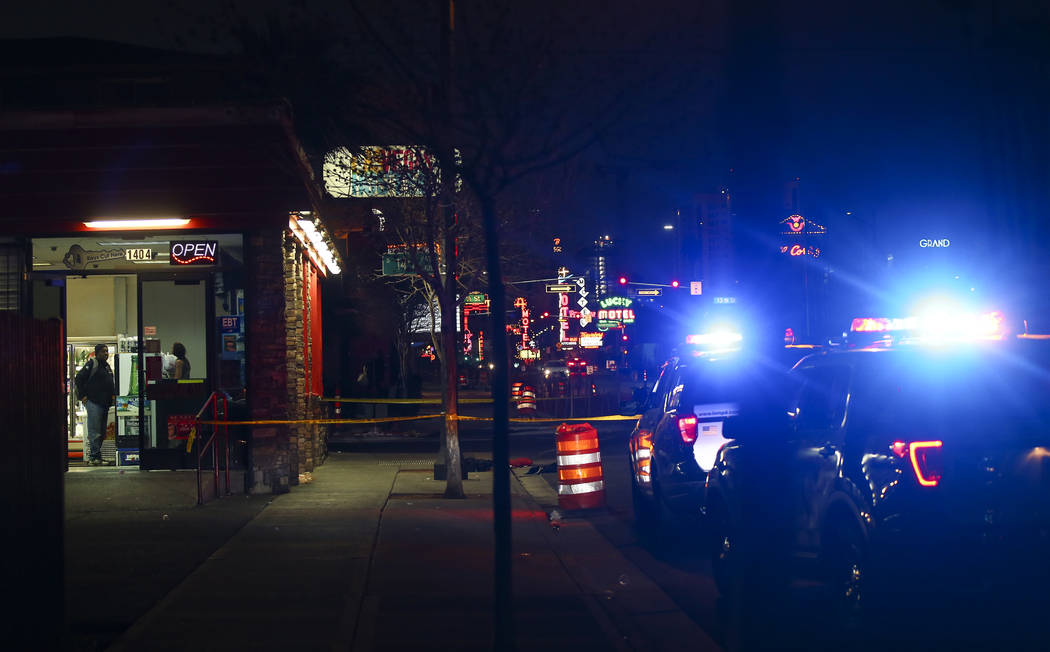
(819, 411)
(668, 450)
(641, 442)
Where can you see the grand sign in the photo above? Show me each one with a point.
(927, 243)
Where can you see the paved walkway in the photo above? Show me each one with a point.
(367, 556)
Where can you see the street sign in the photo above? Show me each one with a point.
(560, 287)
(649, 292)
(696, 287)
(582, 302)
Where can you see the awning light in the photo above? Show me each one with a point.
(144, 223)
(316, 241)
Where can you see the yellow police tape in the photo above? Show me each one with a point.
(283, 422)
(431, 401)
(401, 401)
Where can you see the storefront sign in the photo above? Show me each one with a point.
(180, 425)
(194, 252)
(78, 258)
(230, 324)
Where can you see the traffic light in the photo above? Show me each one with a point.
(623, 280)
(624, 338)
(674, 284)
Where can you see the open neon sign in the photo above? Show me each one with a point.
(193, 252)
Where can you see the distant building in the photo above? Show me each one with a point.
(715, 221)
(600, 265)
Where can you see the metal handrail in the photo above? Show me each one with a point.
(213, 400)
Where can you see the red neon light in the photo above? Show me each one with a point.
(899, 448)
(190, 261)
(923, 473)
(687, 428)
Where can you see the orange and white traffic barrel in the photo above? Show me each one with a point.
(515, 391)
(580, 481)
(527, 400)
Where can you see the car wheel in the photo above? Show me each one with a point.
(846, 565)
(647, 519)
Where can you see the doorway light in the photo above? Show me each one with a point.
(144, 223)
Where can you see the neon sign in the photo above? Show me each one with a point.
(625, 316)
(799, 250)
(193, 252)
(591, 340)
(797, 225)
(620, 302)
(520, 302)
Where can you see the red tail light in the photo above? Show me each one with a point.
(925, 459)
(687, 426)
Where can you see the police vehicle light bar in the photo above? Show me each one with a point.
(714, 339)
(936, 325)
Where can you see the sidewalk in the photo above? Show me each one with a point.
(368, 556)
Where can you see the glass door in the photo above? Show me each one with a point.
(174, 355)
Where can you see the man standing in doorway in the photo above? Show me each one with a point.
(95, 388)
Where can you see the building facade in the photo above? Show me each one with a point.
(141, 228)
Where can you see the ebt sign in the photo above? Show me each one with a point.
(927, 243)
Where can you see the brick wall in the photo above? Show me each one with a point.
(267, 361)
(306, 441)
(277, 364)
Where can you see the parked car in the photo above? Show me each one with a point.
(905, 472)
(674, 445)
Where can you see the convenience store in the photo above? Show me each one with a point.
(142, 228)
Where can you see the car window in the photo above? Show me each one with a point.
(659, 394)
(674, 394)
(821, 400)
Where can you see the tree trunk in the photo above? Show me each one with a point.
(453, 463)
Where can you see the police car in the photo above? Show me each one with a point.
(912, 466)
(675, 442)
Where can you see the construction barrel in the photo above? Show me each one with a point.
(580, 481)
(527, 400)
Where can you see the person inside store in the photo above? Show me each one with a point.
(182, 365)
(95, 387)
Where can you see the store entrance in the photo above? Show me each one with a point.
(155, 327)
(175, 361)
(102, 309)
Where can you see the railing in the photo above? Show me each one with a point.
(211, 442)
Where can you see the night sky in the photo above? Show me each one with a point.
(922, 119)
